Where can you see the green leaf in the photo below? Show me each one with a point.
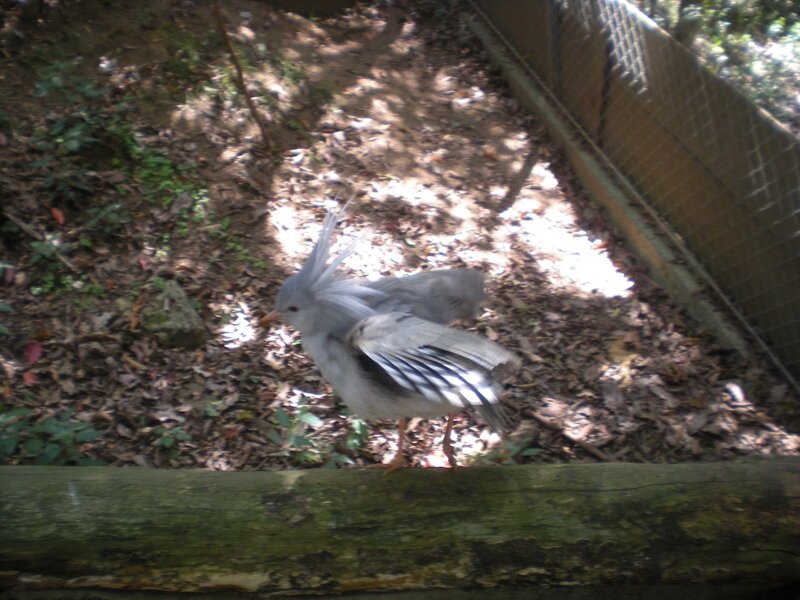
(283, 418)
(88, 435)
(532, 451)
(41, 163)
(359, 426)
(275, 437)
(168, 441)
(300, 441)
(48, 426)
(12, 414)
(310, 419)
(337, 458)
(309, 456)
(353, 442)
(6, 308)
(16, 428)
(8, 443)
(33, 446)
(50, 453)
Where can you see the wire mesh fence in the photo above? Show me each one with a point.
(721, 173)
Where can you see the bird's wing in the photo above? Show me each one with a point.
(440, 296)
(437, 362)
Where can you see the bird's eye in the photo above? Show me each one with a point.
(293, 309)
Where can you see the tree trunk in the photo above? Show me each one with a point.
(356, 530)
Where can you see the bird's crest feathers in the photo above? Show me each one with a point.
(318, 278)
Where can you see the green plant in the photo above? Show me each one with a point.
(8, 229)
(289, 71)
(158, 283)
(356, 438)
(107, 219)
(53, 440)
(161, 180)
(89, 292)
(294, 434)
(49, 270)
(321, 95)
(169, 438)
(213, 408)
(291, 435)
(48, 283)
(5, 308)
(80, 131)
(755, 44)
(295, 125)
(289, 429)
(46, 249)
(56, 79)
(511, 452)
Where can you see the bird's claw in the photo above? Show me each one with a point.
(398, 462)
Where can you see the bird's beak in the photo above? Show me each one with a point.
(269, 318)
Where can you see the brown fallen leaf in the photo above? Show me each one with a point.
(33, 352)
(58, 215)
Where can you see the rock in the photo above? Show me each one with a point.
(169, 315)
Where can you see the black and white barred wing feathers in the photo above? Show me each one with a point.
(444, 365)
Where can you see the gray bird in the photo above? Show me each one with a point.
(384, 345)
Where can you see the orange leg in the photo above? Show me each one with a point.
(447, 448)
(399, 459)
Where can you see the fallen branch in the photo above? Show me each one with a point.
(239, 79)
(40, 238)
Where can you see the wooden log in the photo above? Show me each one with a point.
(319, 531)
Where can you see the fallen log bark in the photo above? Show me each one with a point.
(354, 530)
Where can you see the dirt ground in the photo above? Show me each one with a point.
(394, 107)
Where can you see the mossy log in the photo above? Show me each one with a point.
(318, 531)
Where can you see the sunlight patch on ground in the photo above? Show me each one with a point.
(563, 251)
(288, 234)
(297, 230)
(239, 324)
(544, 177)
(373, 254)
(408, 190)
(572, 259)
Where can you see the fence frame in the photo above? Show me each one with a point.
(616, 90)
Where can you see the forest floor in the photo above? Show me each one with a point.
(127, 158)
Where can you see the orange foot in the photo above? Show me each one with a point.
(398, 462)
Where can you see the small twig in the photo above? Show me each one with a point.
(39, 237)
(133, 324)
(97, 337)
(129, 360)
(526, 386)
(593, 450)
(239, 79)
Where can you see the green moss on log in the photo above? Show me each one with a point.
(312, 531)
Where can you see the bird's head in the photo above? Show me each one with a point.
(316, 299)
